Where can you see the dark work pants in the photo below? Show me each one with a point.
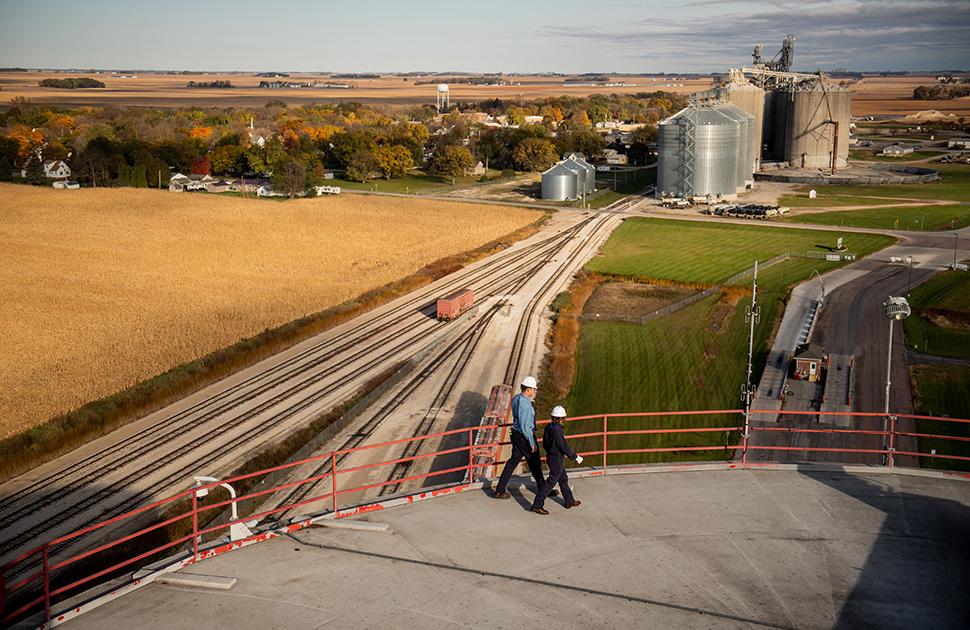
(557, 474)
(521, 449)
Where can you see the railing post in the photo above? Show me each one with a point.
(892, 442)
(604, 443)
(47, 586)
(195, 526)
(333, 484)
(744, 437)
(471, 465)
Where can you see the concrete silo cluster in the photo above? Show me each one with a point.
(572, 178)
(793, 120)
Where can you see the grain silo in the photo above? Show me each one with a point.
(748, 97)
(559, 183)
(590, 172)
(746, 141)
(812, 120)
(699, 151)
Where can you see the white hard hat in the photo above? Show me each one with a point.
(530, 381)
(558, 412)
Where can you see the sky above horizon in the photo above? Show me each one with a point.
(497, 36)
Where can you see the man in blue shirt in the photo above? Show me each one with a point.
(524, 445)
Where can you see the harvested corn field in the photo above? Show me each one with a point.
(100, 289)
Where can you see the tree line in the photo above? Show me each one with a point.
(295, 146)
(71, 83)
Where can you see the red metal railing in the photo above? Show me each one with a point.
(108, 547)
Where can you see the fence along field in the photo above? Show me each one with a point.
(103, 288)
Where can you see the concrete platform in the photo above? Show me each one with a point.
(714, 548)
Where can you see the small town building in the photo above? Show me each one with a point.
(896, 150)
(478, 169)
(56, 169)
(810, 361)
(614, 157)
(219, 186)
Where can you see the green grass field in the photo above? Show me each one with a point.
(632, 184)
(943, 390)
(949, 292)
(681, 362)
(899, 218)
(708, 253)
(416, 182)
(954, 187)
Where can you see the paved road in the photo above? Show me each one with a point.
(852, 322)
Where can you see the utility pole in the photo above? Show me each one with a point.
(752, 315)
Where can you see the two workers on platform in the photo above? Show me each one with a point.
(525, 446)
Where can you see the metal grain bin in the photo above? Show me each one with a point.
(745, 142)
(712, 156)
(590, 178)
(559, 183)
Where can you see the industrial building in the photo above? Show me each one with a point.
(791, 120)
(572, 178)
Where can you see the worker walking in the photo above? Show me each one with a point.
(524, 445)
(557, 449)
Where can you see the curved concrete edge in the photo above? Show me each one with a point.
(89, 601)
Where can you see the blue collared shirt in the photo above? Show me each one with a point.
(524, 417)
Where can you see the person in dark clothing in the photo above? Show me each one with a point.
(557, 449)
(523, 439)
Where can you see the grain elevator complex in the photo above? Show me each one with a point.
(758, 117)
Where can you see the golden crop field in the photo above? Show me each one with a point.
(893, 96)
(102, 288)
(167, 90)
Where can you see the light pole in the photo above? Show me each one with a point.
(237, 531)
(896, 308)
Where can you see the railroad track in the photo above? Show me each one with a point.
(538, 302)
(111, 459)
(464, 346)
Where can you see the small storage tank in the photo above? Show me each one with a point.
(577, 168)
(590, 172)
(559, 183)
(715, 129)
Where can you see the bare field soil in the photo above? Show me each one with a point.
(893, 96)
(100, 289)
(626, 301)
(163, 90)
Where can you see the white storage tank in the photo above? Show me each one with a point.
(559, 183)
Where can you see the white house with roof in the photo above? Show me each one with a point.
(57, 169)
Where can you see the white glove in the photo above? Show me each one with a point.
(579, 459)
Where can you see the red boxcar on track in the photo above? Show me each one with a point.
(454, 304)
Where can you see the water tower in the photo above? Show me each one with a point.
(442, 100)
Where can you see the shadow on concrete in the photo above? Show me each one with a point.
(468, 413)
(917, 573)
